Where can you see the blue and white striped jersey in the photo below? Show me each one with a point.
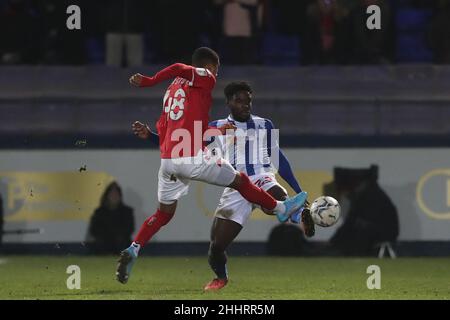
(253, 147)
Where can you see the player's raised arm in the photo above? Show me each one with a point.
(285, 171)
(202, 73)
(172, 71)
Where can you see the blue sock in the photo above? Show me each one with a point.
(296, 217)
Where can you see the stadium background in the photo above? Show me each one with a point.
(59, 115)
(62, 108)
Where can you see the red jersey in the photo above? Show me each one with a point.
(186, 105)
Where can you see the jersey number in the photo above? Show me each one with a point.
(174, 106)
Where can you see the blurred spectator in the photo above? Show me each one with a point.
(178, 25)
(112, 224)
(242, 21)
(288, 16)
(287, 239)
(371, 217)
(125, 32)
(325, 33)
(212, 26)
(18, 33)
(117, 31)
(58, 44)
(439, 35)
(371, 46)
(50, 32)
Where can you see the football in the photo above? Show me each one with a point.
(325, 211)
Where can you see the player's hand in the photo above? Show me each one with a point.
(136, 79)
(228, 126)
(141, 130)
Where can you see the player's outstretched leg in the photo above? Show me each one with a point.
(291, 205)
(148, 229)
(283, 209)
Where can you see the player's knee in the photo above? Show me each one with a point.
(236, 182)
(278, 193)
(168, 208)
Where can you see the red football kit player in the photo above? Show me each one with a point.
(186, 106)
(181, 129)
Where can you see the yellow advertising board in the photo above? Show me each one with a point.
(37, 196)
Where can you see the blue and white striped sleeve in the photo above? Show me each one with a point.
(284, 170)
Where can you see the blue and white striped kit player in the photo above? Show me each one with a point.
(253, 149)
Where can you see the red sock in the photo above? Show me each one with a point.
(254, 194)
(152, 226)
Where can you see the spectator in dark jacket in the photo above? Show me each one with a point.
(371, 217)
(125, 32)
(371, 46)
(242, 22)
(326, 28)
(112, 223)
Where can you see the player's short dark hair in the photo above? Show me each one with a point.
(234, 87)
(203, 56)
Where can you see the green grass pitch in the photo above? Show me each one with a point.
(42, 277)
